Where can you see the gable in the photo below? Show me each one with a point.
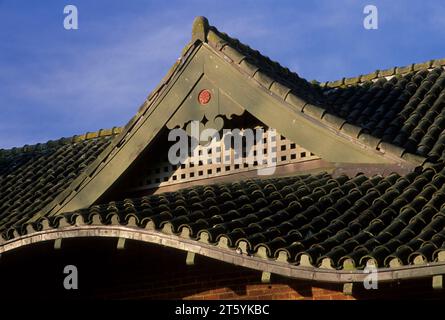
(217, 161)
(174, 104)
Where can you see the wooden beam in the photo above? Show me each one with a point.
(225, 255)
(126, 147)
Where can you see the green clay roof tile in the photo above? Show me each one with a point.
(317, 216)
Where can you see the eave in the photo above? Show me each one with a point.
(406, 272)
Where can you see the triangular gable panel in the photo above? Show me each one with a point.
(217, 161)
(175, 103)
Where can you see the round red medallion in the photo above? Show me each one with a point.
(204, 96)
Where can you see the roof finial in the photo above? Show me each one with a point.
(200, 28)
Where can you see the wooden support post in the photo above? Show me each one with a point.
(347, 288)
(265, 277)
(121, 244)
(190, 260)
(438, 279)
(58, 244)
(438, 282)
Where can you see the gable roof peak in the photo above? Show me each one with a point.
(200, 28)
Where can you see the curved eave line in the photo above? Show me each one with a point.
(225, 255)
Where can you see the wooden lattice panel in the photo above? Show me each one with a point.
(225, 162)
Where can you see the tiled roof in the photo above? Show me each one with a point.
(321, 220)
(406, 110)
(396, 111)
(32, 176)
(270, 73)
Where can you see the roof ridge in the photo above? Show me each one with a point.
(211, 35)
(269, 73)
(379, 74)
(303, 95)
(61, 141)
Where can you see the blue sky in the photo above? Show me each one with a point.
(56, 83)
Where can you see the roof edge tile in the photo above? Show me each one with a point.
(377, 74)
(61, 141)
